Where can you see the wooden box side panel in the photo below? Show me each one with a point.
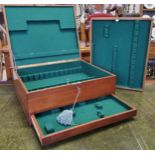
(43, 100)
(22, 97)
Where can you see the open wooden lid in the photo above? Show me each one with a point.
(41, 34)
(120, 46)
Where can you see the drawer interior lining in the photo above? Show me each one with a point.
(84, 112)
(58, 74)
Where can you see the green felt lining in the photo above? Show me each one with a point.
(121, 48)
(58, 74)
(84, 112)
(42, 34)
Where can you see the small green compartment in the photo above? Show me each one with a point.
(84, 112)
(49, 128)
(120, 46)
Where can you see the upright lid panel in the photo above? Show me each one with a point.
(42, 33)
(120, 46)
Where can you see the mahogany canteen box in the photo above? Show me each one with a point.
(47, 70)
(121, 45)
(44, 44)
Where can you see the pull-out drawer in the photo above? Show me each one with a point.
(88, 116)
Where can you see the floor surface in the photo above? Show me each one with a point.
(137, 133)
